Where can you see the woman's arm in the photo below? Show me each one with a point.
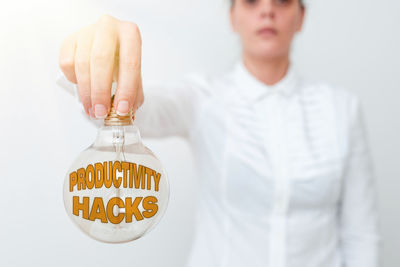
(171, 108)
(360, 238)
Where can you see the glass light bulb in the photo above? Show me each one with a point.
(116, 190)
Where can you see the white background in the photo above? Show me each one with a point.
(348, 43)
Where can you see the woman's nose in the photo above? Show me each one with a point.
(266, 8)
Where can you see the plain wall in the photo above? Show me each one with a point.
(353, 44)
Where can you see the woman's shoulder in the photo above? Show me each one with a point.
(211, 84)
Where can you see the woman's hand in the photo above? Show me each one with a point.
(96, 55)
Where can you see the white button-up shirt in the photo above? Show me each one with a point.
(285, 174)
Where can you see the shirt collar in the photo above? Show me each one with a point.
(253, 89)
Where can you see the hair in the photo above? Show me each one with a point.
(301, 2)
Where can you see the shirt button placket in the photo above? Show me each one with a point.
(278, 151)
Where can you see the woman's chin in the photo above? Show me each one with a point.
(268, 50)
(269, 53)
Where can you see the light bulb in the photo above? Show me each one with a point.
(117, 189)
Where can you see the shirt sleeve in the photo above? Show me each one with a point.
(360, 237)
(171, 109)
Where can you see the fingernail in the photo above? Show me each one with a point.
(123, 107)
(100, 111)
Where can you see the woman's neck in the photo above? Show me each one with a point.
(268, 71)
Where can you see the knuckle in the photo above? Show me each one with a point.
(101, 93)
(84, 94)
(131, 30)
(81, 62)
(83, 89)
(101, 56)
(126, 95)
(85, 98)
(130, 63)
(105, 18)
(82, 67)
(130, 27)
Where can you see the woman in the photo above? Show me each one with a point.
(283, 164)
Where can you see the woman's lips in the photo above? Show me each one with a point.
(267, 32)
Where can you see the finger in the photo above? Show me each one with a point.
(66, 57)
(82, 66)
(129, 73)
(139, 100)
(139, 97)
(101, 65)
